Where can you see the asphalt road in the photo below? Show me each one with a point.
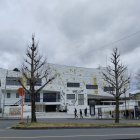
(71, 134)
(67, 134)
(5, 124)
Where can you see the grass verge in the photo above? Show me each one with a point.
(43, 125)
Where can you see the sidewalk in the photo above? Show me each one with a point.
(60, 115)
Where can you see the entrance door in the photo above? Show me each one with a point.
(50, 108)
(92, 110)
(92, 103)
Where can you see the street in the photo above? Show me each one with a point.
(67, 134)
(71, 134)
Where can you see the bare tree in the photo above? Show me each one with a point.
(137, 79)
(117, 78)
(35, 68)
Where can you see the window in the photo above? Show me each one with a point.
(8, 95)
(12, 81)
(0, 110)
(17, 95)
(138, 103)
(71, 96)
(108, 89)
(91, 86)
(80, 99)
(51, 97)
(28, 97)
(73, 84)
(37, 97)
(38, 83)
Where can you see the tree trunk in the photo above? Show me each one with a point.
(32, 83)
(33, 109)
(117, 113)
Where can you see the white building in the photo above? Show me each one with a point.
(74, 87)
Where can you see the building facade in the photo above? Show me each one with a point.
(74, 87)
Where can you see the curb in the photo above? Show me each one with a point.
(90, 127)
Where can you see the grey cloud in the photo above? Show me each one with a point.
(72, 32)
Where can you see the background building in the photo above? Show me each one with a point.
(74, 87)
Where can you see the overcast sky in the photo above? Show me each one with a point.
(71, 32)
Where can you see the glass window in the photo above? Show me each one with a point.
(17, 95)
(38, 83)
(138, 103)
(28, 98)
(73, 84)
(49, 97)
(91, 86)
(8, 95)
(109, 89)
(70, 96)
(37, 97)
(80, 99)
(12, 81)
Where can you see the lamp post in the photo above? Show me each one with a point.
(4, 95)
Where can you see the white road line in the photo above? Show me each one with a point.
(70, 136)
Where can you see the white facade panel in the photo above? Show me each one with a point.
(58, 87)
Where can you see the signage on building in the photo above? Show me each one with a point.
(136, 111)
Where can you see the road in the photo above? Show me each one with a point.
(66, 134)
(71, 134)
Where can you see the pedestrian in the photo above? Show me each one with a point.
(75, 113)
(110, 113)
(81, 116)
(127, 114)
(85, 111)
(124, 115)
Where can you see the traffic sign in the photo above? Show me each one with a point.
(21, 91)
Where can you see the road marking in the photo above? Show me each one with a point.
(70, 136)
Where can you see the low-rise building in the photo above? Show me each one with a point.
(74, 87)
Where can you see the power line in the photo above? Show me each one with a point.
(123, 38)
(116, 41)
